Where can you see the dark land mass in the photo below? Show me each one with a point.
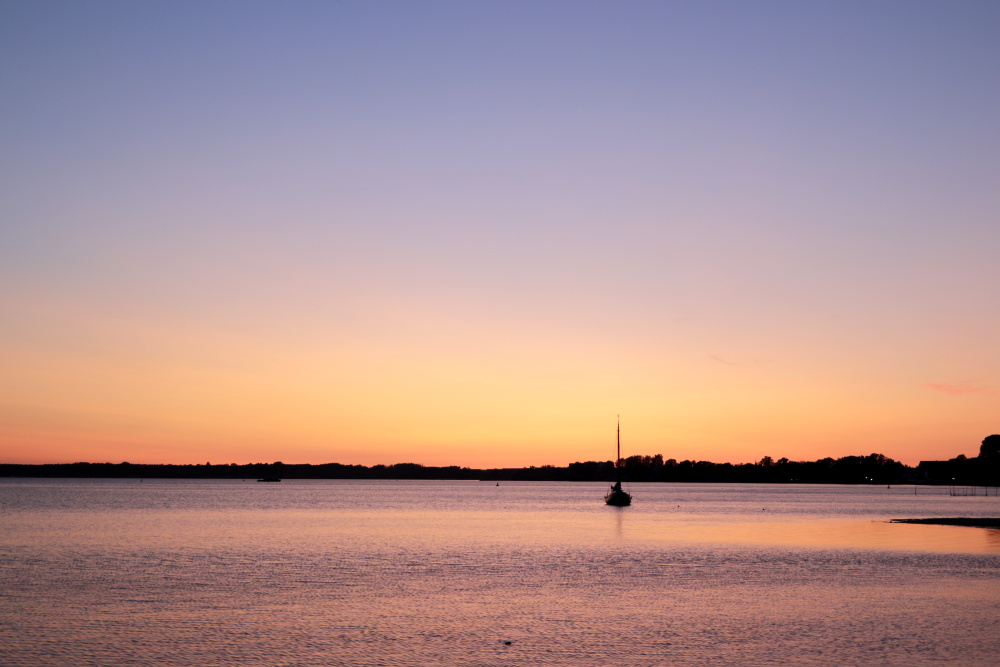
(954, 521)
(871, 469)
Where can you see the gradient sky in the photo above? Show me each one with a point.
(473, 233)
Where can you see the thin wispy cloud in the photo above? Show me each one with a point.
(729, 361)
(715, 357)
(961, 389)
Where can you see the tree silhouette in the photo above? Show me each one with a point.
(991, 447)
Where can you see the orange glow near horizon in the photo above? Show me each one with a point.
(479, 400)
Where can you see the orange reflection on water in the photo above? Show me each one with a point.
(820, 533)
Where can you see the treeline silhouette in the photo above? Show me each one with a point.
(872, 469)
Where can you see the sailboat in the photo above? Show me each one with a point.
(616, 495)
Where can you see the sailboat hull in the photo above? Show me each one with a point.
(618, 498)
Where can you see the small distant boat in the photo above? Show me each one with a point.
(269, 479)
(616, 495)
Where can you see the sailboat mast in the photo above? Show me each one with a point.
(618, 438)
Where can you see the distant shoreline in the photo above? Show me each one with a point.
(954, 521)
(874, 469)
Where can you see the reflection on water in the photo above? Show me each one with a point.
(434, 573)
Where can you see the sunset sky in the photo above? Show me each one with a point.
(474, 233)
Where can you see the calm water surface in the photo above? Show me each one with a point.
(178, 572)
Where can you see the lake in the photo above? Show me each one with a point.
(332, 572)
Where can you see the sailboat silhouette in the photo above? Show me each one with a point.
(616, 495)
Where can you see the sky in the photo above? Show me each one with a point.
(477, 233)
